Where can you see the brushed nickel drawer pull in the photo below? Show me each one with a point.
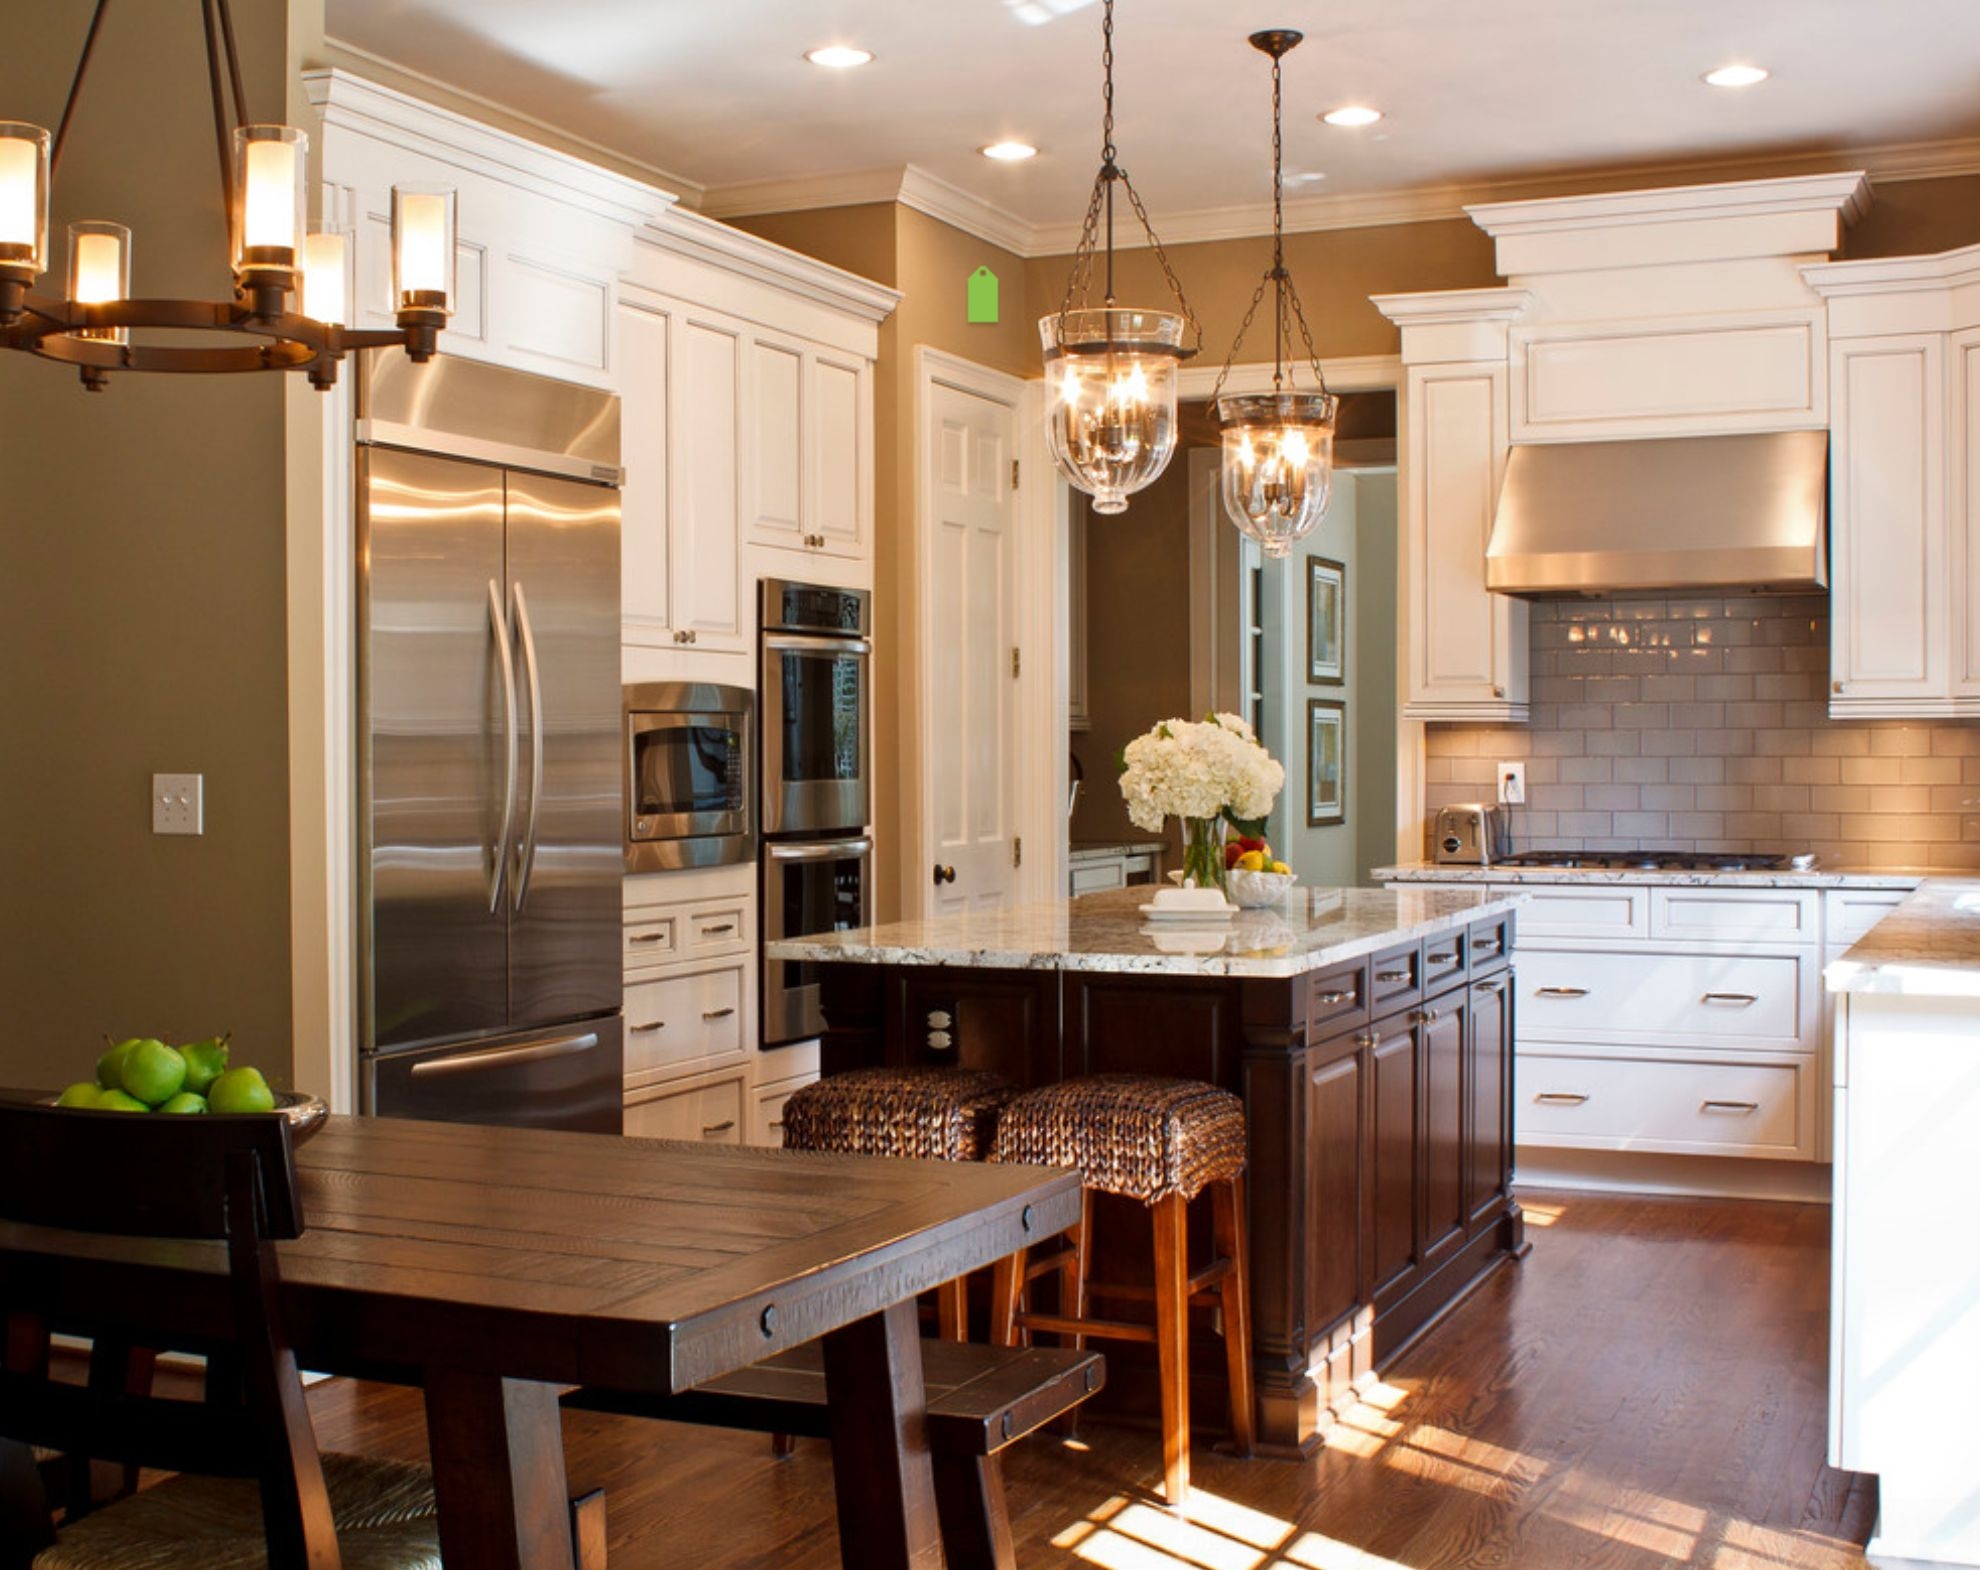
(1490, 946)
(727, 926)
(1560, 1098)
(1392, 975)
(723, 1013)
(1448, 957)
(1331, 998)
(648, 937)
(1488, 986)
(648, 1028)
(1372, 1038)
(1737, 999)
(717, 1128)
(1425, 1016)
(1741, 1107)
(1562, 992)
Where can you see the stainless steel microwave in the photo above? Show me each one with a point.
(690, 775)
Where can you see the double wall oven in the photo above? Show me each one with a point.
(817, 717)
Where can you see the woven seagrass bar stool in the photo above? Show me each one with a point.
(939, 1114)
(1163, 1142)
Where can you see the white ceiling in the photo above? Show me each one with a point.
(717, 92)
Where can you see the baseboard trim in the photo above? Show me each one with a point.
(1704, 1177)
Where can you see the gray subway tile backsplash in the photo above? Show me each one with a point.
(1701, 723)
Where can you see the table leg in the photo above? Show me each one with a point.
(881, 1470)
(498, 1472)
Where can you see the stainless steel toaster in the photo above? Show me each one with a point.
(1472, 834)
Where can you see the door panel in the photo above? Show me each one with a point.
(1490, 1048)
(1392, 1154)
(436, 749)
(707, 383)
(968, 690)
(567, 869)
(1443, 1130)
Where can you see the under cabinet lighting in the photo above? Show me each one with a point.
(1736, 76)
(839, 57)
(1351, 115)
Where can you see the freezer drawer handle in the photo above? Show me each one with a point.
(1736, 999)
(1741, 1107)
(722, 1013)
(1560, 1098)
(499, 624)
(709, 1129)
(526, 852)
(649, 1027)
(1562, 992)
(534, 1052)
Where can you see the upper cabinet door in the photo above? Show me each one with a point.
(646, 581)
(1964, 533)
(776, 428)
(1468, 655)
(840, 449)
(1887, 540)
(708, 446)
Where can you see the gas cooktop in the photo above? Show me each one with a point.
(1657, 861)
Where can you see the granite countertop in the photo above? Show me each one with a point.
(1820, 877)
(1928, 947)
(1093, 850)
(1107, 932)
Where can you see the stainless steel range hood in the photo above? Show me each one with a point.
(1690, 512)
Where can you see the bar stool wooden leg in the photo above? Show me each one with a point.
(1227, 1211)
(1073, 1274)
(1170, 1216)
(952, 1309)
(1006, 1291)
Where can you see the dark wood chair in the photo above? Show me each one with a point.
(255, 1475)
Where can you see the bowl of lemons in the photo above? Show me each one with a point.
(148, 1074)
(1257, 881)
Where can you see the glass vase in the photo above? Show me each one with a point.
(1203, 854)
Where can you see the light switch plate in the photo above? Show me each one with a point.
(178, 804)
(1512, 784)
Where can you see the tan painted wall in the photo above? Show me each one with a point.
(141, 595)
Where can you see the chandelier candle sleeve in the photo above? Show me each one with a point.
(326, 285)
(23, 199)
(270, 200)
(423, 254)
(100, 272)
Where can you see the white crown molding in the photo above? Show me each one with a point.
(351, 103)
(954, 206)
(1895, 275)
(701, 238)
(348, 59)
(1846, 194)
(908, 185)
(1451, 307)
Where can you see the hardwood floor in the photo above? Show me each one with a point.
(1648, 1389)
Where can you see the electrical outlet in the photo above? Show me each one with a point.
(1512, 784)
(178, 804)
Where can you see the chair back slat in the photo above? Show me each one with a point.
(129, 1430)
(134, 1175)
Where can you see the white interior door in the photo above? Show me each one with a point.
(968, 718)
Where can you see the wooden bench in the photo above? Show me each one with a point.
(980, 1399)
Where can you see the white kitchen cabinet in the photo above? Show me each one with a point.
(709, 1111)
(681, 508)
(810, 457)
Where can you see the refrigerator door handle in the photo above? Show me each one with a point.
(536, 1051)
(499, 625)
(526, 851)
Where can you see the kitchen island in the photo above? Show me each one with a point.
(1369, 1032)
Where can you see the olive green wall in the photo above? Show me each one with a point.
(141, 593)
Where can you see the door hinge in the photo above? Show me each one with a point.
(1017, 663)
(1017, 852)
(1014, 474)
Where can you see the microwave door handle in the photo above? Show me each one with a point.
(835, 850)
(499, 626)
(801, 643)
(526, 851)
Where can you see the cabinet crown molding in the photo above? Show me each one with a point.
(1845, 195)
(1444, 307)
(708, 240)
(1895, 275)
(350, 102)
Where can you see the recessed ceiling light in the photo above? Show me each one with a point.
(1010, 152)
(1736, 76)
(1352, 115)
(839, 57)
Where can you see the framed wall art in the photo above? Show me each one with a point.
(1326, 762)
(1326, 622)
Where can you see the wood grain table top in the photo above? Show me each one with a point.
(584, 1258)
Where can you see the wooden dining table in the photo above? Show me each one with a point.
(493, 1267)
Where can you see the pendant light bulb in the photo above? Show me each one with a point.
(1278, 447)
(270, 205)
(1111, 420)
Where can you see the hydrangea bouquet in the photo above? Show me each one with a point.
(1206, 772)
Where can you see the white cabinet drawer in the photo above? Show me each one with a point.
(652, 937)
(691, 930)
(1733, 915)
(683, 1024)
(1734, 1000)
(766, 1123)
(1087, 877)
(1851, 913)
(708, 1114)
(1726, 1109)
(717, 929)
(1608, 911)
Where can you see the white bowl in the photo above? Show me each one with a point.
(1256, 890)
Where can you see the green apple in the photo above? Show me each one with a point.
(118, 1101)
(84, 1093)
(240, 1090)
(154, 1072)
(110, 1067)
(184, 1101)
(204, 1062)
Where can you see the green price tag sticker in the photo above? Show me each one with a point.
(983, 295)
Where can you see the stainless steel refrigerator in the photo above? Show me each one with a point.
(489, 750)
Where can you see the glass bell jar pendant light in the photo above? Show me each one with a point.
(1110, 370)
(1278, 468)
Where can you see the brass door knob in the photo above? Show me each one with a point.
(944, 875)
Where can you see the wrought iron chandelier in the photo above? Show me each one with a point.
(1278, 469)
(264, 182)
(1111, 370)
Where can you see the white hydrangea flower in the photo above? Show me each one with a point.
(1199, 769)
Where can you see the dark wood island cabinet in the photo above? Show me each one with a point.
(1369, 1032)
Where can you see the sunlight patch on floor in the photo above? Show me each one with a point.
(1316, 1551)
(1210, 1532)
(1448, 1473)
(1541, 1215)
(1475, 1452)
